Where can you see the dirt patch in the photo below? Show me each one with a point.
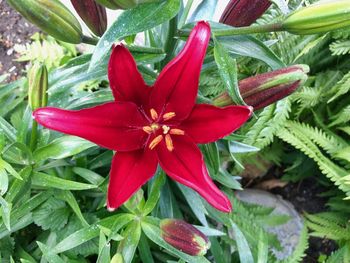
(13, 30)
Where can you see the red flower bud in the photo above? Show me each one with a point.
(93, 14)
(184, 237)
(240, 13)
(265, 89)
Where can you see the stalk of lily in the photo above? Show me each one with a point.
(37, 95)
(241, 13)
(265, 89)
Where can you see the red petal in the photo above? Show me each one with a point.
(177, 84)
(185, 165)
(208, 123)
(125, 80)
(130, 170)
(116, 126)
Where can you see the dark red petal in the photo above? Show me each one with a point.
(177, 84)
(185, 165)
(125, 80)
(208, 123)
(130, 170)
(116, 126)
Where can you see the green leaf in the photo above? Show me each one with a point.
(53, 215)
(61, 148)
(89, 175)
(128, 245)
(48, 254)
(104, 255)
(228, 72)
(9, 169)
(205, 10)
(4, 182)
(5, 212)
(144, 250)
(245, 254)
(8, 130)
(150, 226)
(238, 147)
(263, 248)
(141, 18)
(19, 187)
(155, 189)
(212, 158)
(50, 181)
(68, 197)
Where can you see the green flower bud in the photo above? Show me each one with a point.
(265, 89)
(123, 4)
(37, 86)
(52, 17)
(118, 258)
(320, 17)
(184, 237)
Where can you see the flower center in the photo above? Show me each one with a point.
(154, 128)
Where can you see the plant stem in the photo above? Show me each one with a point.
(171, 41)
(89, 40)
(242, 30)
(33, 136)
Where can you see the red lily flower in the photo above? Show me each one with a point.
(155, 125)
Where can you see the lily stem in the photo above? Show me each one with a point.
(90, 40)
(34, 136)
(242, 30)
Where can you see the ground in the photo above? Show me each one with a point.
(13, 30)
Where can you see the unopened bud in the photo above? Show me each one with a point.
(265, 89)
(37, 86)
(240, 13)
(184, 237)
(52, 17)
(123, 4)
(93, 14)
(117, 258)
(323, 16)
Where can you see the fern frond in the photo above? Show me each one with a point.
(308, 147)
(343, 117)
(299, 251)
(341, 88)
(340, 47)
(261, 134)
(326, 141)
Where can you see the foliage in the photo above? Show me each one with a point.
(53, 196)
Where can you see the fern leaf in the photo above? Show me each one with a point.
(340, 48)
(269, 122)
(308, 147)
(341, 88)
(299, 251)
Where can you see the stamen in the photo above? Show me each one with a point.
(169, 115)
(155, 142)
(154, 114)
(147, 129)
(166, 129)
(177, 132)
(169, 143)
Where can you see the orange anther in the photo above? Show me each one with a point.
(177, 132)
(147, 129)
(155, 142)
(168, 116)
(169, 143)
(154, 114)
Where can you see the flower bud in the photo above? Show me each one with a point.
(117, 258)
(320, 17)
(93, 14)
(265, 89)
(184, 237)
(52, 17)
(122, 4)
(240, 13)
(37, 86)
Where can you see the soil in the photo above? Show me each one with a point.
(13, 30)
